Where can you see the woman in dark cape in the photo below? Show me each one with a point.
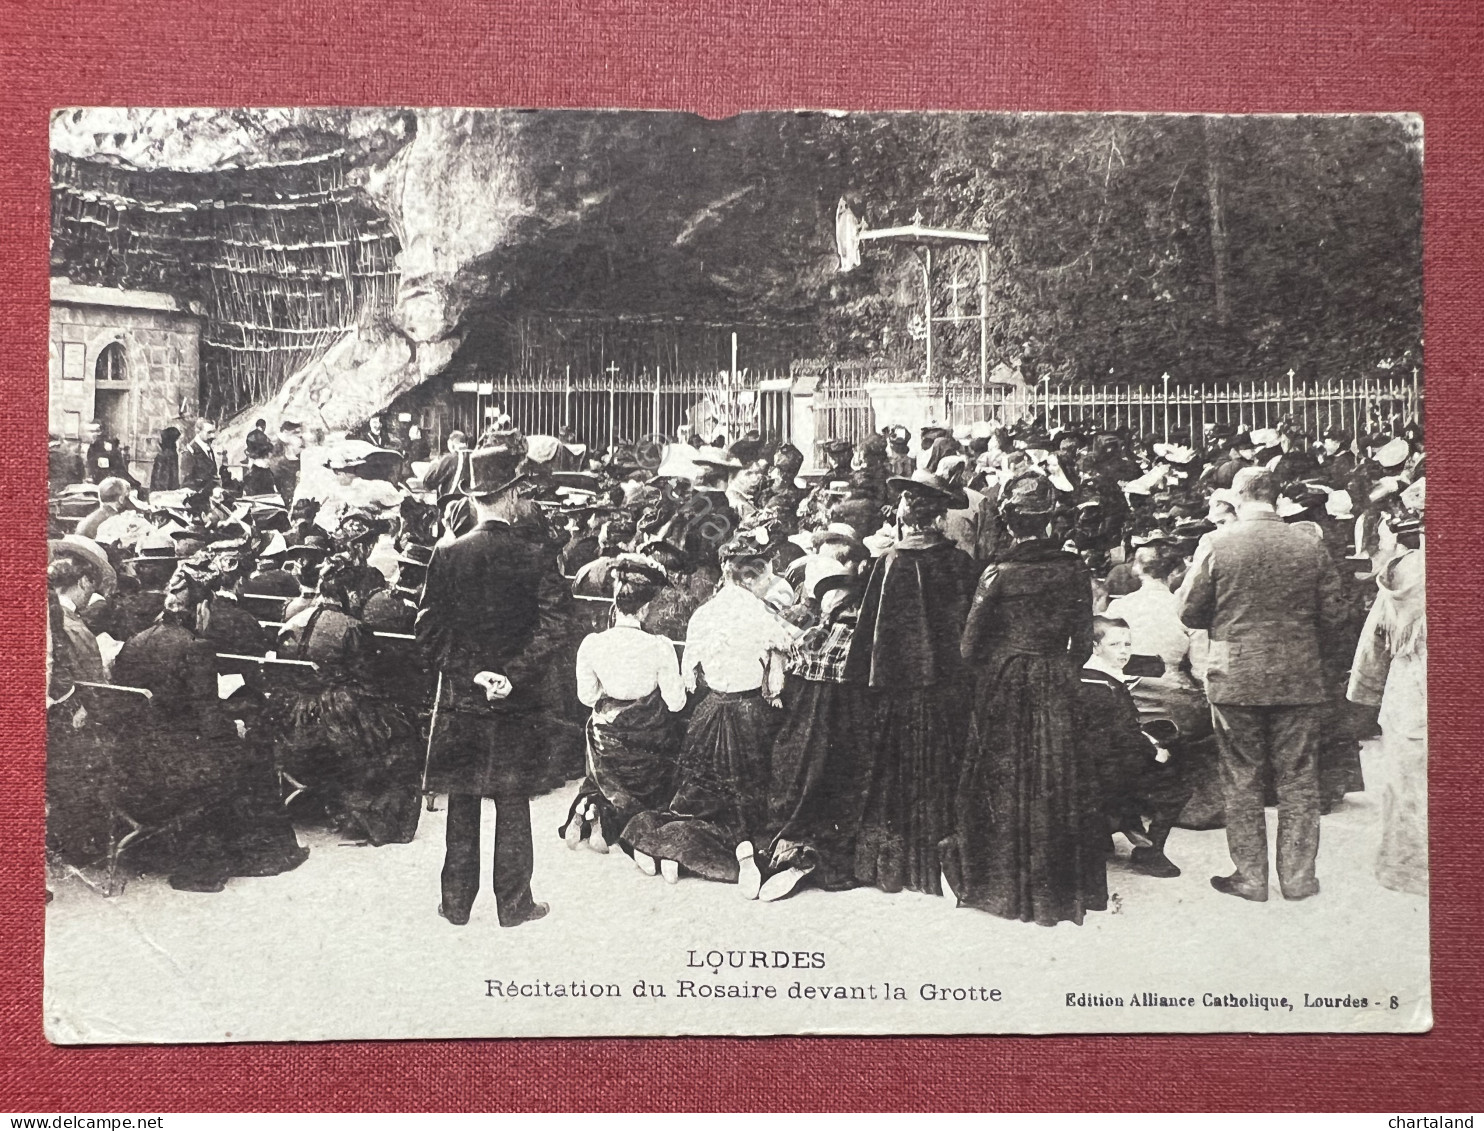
(904, 651)
(344, 734)
(1029, 838)
(631, 680)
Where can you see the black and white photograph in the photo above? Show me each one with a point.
(623, 573)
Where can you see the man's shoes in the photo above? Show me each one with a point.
(1230, 885)
(781, 884)
(645, 863)
(749, 879)
(1136, 837)
(670, 869)
(1308, 891)
(1152, 862)
(197, 883)
(529, 915)
(456, 920)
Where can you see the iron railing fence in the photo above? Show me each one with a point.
(604, 409)
(844, 407)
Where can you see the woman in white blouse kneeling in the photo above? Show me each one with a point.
(736, 644)
(631, 680)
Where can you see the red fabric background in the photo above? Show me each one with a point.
(717, 57)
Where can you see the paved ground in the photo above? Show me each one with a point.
(349, 945)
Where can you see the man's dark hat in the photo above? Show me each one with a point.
(831, 581)
(1154, 537)
(1028, 493)
(1194, 528)
(746, 450)
(788, 457)
(311, 546)
(837, 447)
(493, 469)
(229, 536)
(156, 547)
(932, 484)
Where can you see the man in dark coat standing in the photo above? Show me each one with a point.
(1269, 596)
(488, 619)
(200, 469)
(106, 457)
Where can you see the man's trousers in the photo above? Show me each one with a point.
(1287, 738)
(514, 856)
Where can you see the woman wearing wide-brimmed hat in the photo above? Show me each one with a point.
(630, 679)
(905, 651)
(1028, 836)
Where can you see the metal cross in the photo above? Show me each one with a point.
(612, 369)
(954, 287)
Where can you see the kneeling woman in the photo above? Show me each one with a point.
(735, 646)
(631, 680)
(351, 742)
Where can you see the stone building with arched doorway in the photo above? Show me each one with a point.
(127, 359)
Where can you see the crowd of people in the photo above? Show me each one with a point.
(973, 662)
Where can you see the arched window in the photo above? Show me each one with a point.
(110, 365)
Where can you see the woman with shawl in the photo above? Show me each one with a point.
(904, 651)
(1028, 835)
(813, 803)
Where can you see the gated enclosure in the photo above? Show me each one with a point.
(608, 408)
(844, 406)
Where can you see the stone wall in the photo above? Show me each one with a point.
(161, 351)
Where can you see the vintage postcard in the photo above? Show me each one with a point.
(539, 573)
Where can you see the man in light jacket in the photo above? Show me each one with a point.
(1270, 598)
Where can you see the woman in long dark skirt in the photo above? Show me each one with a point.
(631, 680)
(1029, 838)
(351, 743)
(164, 473)
(735, 646)
(189, 762)
(814, 801)
(904, 651)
